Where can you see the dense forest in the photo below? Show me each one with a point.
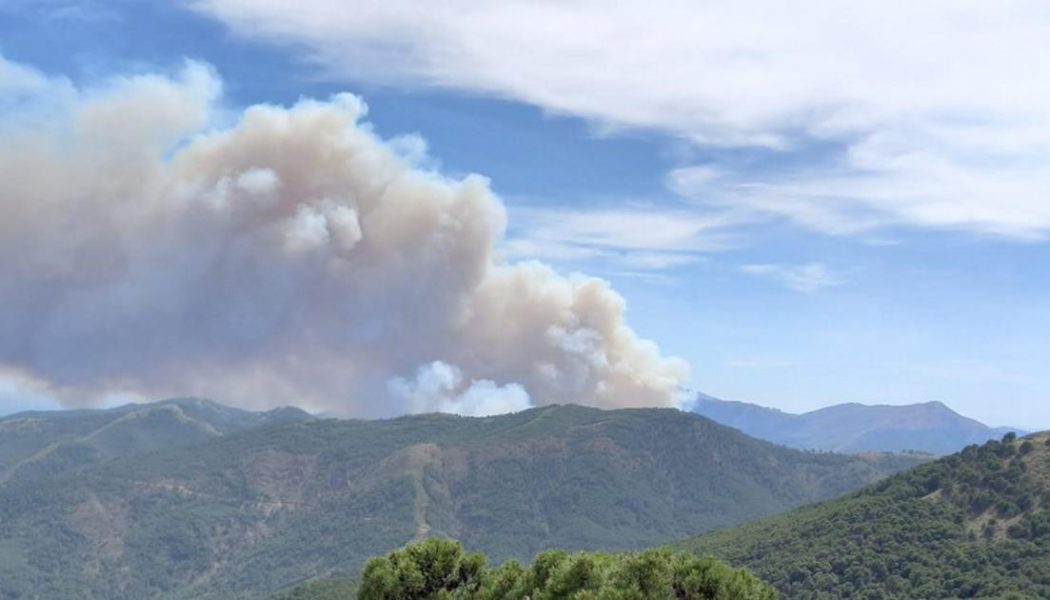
(972, 525)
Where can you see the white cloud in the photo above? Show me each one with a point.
(922, 190)
(809, 277)
(631, 229)
(65, 12)
(939, 108)
(632, 237)
(659, 260)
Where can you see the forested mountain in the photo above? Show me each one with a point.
(251, 512)
(49, 442)
(929, 427)
(972, 525)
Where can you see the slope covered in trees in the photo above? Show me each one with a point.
(41, 443)
(972, 525)
(256, 511)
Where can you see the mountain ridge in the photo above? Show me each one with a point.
(853, 427)
(255, 511)
(34, 443)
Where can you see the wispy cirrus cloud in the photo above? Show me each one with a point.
(809, 277)
(60, 9)
(885, 190)
(642, 238)
(937, 111)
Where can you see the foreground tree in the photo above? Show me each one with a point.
(440, 569)
(430, 569)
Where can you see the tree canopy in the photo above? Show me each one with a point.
(441, 570)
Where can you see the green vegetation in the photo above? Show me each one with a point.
(48, 443)
(440, 569)
(973, 525)
(260, 510)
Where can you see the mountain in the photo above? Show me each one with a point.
(246, 513)
(929, 427)
(973, 525)
(49, 442)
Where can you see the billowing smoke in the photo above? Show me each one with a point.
(440, 387)
(153, 243)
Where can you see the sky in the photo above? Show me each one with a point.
(847, 202)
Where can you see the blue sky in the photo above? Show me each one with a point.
(796, 232)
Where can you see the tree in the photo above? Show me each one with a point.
(431, 569)
(440, 569)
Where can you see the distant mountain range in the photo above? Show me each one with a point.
(972, 525)
(189, 499)
(850, 428)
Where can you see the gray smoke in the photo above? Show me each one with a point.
(153, 243)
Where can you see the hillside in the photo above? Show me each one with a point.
(929, 427)
(972, 525)
(263, 509)
(40, 443)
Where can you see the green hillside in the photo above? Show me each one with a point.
(265, 509)
(972, 525)
(34, 444)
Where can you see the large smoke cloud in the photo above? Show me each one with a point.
(288, 256)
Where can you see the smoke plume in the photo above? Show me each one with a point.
(154, 243)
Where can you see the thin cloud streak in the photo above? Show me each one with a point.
(632, 237)
(807, 278)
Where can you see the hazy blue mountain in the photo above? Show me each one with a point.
(250, 512)
(972, 525)
(929, 427)
(49, 442)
